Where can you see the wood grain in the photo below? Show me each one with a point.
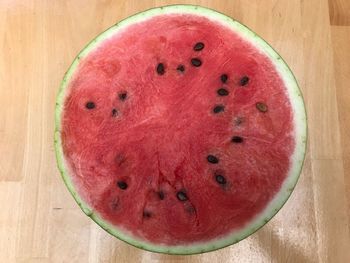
(339, 12)
(40, 222)
(341, 44)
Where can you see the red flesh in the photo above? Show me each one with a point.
(165, 129)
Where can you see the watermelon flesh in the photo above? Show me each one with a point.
(177, 130)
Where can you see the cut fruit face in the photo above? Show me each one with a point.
(179, 130)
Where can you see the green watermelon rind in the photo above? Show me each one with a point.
(300, 121)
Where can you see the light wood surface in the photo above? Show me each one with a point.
(40, 222)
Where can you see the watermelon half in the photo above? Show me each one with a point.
(179, 130)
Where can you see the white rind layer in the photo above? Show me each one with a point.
(300, 124)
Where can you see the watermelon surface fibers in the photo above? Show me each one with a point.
(179, 130)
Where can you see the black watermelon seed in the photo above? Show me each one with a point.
(224, 78)
(122, 185)
(147, 214)
(122, 96)
(114, 112)
(180, 68)
(244, 81)
(220, 179)
(223, 92)
(212, 159)
(237, 139)
(160, 69)
(198, 46)
(196, 62)
(161, 195)
(181, 196)
(90, 105)
(218, 108)
(261, 106)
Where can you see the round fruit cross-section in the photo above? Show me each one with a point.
(179, 130)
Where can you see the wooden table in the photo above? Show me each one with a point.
(40, 222)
